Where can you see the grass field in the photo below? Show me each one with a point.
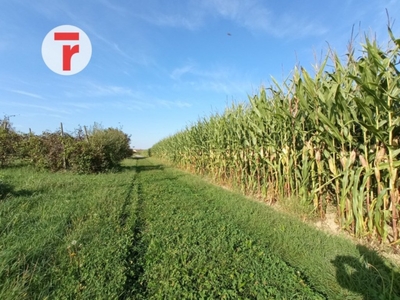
(153, 232)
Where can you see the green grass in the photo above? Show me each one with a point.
(62, 235)
(195, 251)
(153, 232)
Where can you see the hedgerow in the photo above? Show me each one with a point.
(93, 151)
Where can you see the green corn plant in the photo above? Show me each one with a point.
(331, 138)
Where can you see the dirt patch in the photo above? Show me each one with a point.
(329, 224)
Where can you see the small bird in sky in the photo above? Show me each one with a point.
(229, 34)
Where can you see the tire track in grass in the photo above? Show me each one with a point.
(197, 252)
(128, 202)
(135, 285)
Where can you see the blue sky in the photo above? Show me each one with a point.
(158, 66)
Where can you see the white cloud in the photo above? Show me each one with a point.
(82, 105)
(228, 9)
(119, 9)
(178, 72)
(171, 104)
(193, 69)
(39, 107)
(189, 22)
(26, 94)
(91, 89)
(218, 79)
(132, 104)
(253, 15)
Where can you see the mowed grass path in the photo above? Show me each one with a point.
(153, 232)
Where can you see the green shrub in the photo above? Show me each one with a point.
(98, 150)
(87, 158)
(48, 151)
(102, 150)
(9, 141)
(113, 144)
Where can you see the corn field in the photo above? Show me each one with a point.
(328, 139)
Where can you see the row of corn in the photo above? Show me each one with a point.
(331, 139)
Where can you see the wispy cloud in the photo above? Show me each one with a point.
(49, 9)
(172, 104)
(94, 89)
(178, 72)
(137, 56)
(35, 106)
(296, 27)
(193, 69)
(218, 79)
(26, 94)
(133, 105)
(381, 18)
(42, 115)
(110, 90)
(186, 15)
(152, 102)
(116, 8)
(114, 46)
(118, 97)
(82, 105)
(191, 22)
(254, 15)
